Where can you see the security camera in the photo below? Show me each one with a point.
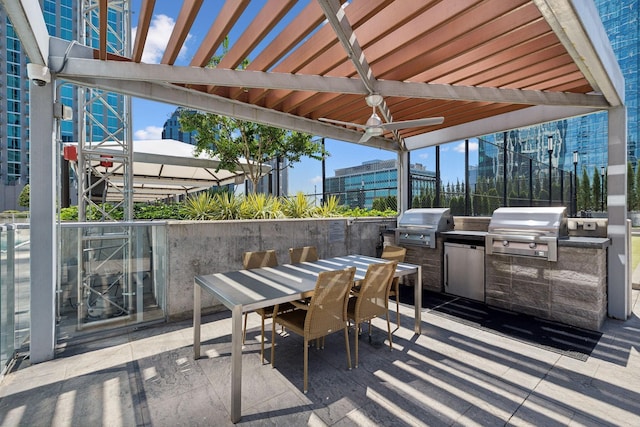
(39, 74)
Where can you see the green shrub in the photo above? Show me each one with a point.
(200, 206)
(330, 207)
(24, 197)
(261, 206)
(298, 206)
(159, 211)
(69, 214)
(226, 206)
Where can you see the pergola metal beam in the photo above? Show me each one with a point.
(78, 67)
(512, 120)
(338, 20)
(175, 95)
(28, 22)
(587, 43)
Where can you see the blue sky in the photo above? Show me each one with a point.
(149, 117)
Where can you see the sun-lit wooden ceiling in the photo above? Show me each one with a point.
(464, 60)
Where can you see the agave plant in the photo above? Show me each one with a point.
(200, 206)
(260, 206)
(226, 206)
(330, 207)
(298, 206)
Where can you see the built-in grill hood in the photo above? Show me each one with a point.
(418, 227)
(527, 231)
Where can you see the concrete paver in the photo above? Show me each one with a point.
(453, 374)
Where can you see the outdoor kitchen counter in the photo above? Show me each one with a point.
(571, 242)
(571, 290)
(585, 242)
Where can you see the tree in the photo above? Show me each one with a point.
(637, 177)
(632, 196)
(232, 139)
(584, 191)
(597, 190)
(24, 197)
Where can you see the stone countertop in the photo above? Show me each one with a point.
(585, 242)
(573, 241)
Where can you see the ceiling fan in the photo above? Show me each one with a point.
(375, 126)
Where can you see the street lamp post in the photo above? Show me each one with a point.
(602, 189)
(550, 149)
(575, 183)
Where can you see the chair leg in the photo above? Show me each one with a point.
(244, 331)
(389, 331)
(356, 340)
(273, 343)
(306, 364)
(398, 304)
(346, 339)
(262, 343)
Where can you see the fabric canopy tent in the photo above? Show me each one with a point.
(162, 168)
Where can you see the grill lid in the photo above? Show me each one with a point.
(435, 219)
(530, 221)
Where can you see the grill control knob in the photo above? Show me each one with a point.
(505, 243)
(406, 235)
(422, 237)
(532, 245)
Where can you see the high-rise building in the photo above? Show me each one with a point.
(62, 20)
(359, 186)
(586, 134)
(171, 129)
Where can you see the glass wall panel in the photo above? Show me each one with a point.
(118, 281)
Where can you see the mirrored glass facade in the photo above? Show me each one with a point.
(587, 134)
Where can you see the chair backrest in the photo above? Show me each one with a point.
(303, 254)
(328, 306)
(373, 296)
(394, 253)
(259, 259)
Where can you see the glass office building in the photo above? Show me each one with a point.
(62, 20)
(172, 130)
(586, 134)
(359, 186)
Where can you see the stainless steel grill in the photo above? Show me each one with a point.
(418, 227)
(528, 232)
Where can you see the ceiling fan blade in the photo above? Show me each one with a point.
(413, 123)
(365, 137)
(338, 122)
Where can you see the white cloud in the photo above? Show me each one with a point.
(473, 146)
(157, 38)
(316, 179)
(459, 148)
(423, 156)
(150, 132)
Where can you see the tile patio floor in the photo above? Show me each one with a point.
(452, 374)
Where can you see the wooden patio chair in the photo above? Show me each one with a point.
(260, 259)
(325, 313)
(395, 253)
(303, 254)
(372, 299)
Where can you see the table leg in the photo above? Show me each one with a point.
(417, 296)
(196, 321)
(236, 364)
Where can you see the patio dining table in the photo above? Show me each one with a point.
(247, 290)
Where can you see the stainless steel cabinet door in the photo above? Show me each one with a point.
(464, 270)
